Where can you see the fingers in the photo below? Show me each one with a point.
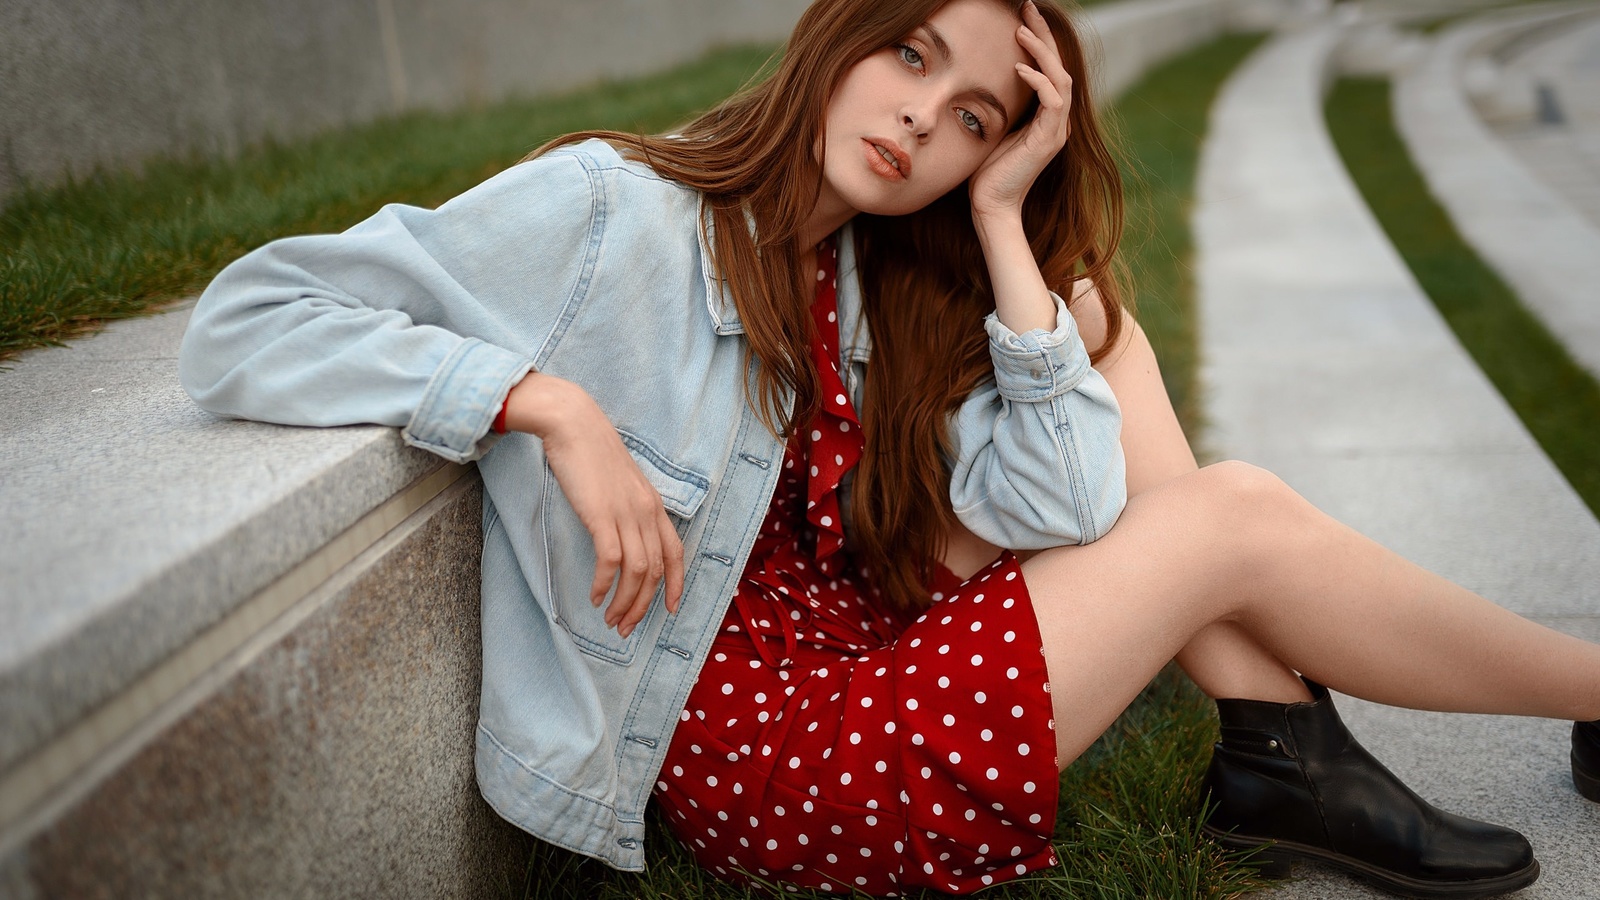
(672, 557)
(651, 581)
(1049, 96)
(1034, 36)
(635, 562)
(646, 557)
(607, 560)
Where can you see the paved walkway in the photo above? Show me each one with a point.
(1561, 144)
(1525, 193)
(1325, 363)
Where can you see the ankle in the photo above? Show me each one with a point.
(1263, 689)
(1284, 696)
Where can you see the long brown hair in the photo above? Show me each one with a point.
(923, 276)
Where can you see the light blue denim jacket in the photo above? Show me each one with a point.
(594, 269)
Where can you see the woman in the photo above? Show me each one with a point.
(729, 564)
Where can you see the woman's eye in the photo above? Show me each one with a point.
(909, 55)
(973, 123)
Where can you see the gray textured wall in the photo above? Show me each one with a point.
(114, 82)
(337, 762)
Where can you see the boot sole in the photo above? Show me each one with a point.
(1275, 858)
(1587, 784)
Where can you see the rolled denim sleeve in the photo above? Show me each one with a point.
(461, 400)
(415, 318)
(1037, 452)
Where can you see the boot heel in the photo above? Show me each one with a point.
(1588, 785)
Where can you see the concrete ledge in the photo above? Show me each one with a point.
(1546, 250)
(134, 520)
(1325, 362)
(326, 756)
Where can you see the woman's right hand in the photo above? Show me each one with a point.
(636, 545)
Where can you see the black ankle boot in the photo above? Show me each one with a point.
(1290, 779)
(1586, 758)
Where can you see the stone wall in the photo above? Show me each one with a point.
(86, 83)
(329, 761)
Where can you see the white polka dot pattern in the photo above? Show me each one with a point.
(866, 738)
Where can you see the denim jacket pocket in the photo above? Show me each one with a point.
(570, 555)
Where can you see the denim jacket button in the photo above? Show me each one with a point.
(1037, 373)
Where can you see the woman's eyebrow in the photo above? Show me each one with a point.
(987, 96)
(942, 47)
(938, 41)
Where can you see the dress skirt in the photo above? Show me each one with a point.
(835, 744)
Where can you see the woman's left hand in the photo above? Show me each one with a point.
(1001, 183)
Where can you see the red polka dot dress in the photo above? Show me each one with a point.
(835, 744)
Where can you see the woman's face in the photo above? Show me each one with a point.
(913, 120)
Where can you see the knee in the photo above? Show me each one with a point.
(1250, 497)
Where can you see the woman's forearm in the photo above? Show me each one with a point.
(540, 403)
(1022, 300)
(1021, 479)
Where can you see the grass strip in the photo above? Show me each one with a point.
(1126, 826)
(1556, 399)
(117, 245)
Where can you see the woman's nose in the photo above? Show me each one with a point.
(918, 119)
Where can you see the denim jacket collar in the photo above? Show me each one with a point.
(855, 344)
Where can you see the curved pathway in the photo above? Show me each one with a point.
(1532, 233)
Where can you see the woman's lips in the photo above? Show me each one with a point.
(874, 151)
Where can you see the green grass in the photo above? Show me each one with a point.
(1557, 400)
(1163, 119)
(1126, 827)
(117, 245)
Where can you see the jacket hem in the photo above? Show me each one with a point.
(538, 805)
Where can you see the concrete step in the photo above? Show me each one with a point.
(236, 659)
(1529, 225)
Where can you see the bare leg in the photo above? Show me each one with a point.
(1214, 641)
(1246, 634)
(1232, 544)
(1222, 659)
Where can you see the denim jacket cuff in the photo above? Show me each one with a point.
(462, 398)
(1037, 365)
